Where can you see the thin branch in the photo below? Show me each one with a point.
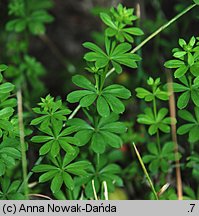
(40, 195)
(172, 108)
(75, 112)
(94, 190)
(145, 171)
(105, 190)
(22, 141)
(163, 27)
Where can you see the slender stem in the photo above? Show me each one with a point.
(97, 82)
(105, 187)
(70, 194)
(166, 25)
(94, 190)
(145, 171)
(98, 162)
(163, 27)
(157, 134)
(103, 77)
(172, 108)
(22, 141)
(110, 72)
(75, 112)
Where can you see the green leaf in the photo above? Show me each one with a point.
(173, 64)
(183, 100)
(190, 59)
(41, 139)
(121, 49)
(179, 54)
(179, 88)
(115, 127)
(56, 183)
(154, 165)
(142, 93)
(107, 20)
(88, 100)
(98, 143)
(112, 139)
(184, 129)
(118, 91)
(75, 96)
(168, 148)
(134, 31)
(181, 71)
(47, 176)
(193, 134)
(84, 136)
(45, 148)
(43, 168)
(195, 97)
(116, 105)
(111, 168)
(195, 69)
(3, 67)
(187, 116)
(93, 47)
(6, 88)
(103, 107)
(83, 82)
(70, 157)
(55, 148)
(68, 181)
(6, 112)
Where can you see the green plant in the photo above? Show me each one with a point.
(85, 155)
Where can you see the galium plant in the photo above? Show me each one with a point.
(102, 105)
(186, 85)
(160, 154)
(77, 153)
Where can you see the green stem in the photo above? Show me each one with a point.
(145, 171)
(103, 78)
(157, 134)
(22, 141)
(75, 112)
(97, 82)
(70, 195)
(163, 27)
(98, 162)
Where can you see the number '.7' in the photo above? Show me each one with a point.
(192, 207)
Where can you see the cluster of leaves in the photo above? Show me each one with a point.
(159, 160)
(63, 138)
(156, 119)
(9, 142)
(186, 65)
(56, 139)
(187, 73)
(101, 133)
(26, 18)
(29, 16)
(115, 54)
(106, 99)
(120, 21)
(159, 156)
(102, 171)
